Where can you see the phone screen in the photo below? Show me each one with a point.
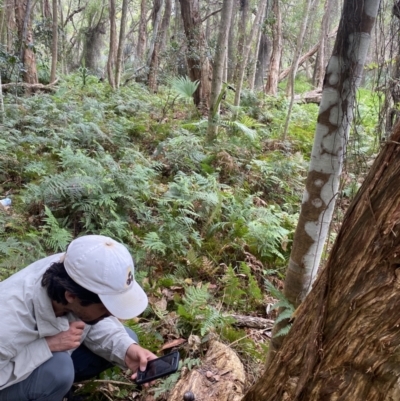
(159, 367)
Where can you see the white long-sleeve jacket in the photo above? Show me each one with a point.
(27, 317)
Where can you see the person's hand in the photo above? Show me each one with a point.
(136, 358)
(67, 340)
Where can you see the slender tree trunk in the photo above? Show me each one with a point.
(231, 57)
(273, 77)
(295, 63)
(142, 34)
(157, 11)
(165, 24)
(254, 64)
(121, 42)
(113, 44)
(239, 83)
(54, 49)
(319, 70)
(263, 53)
(343, 75)
(198, 64)
(218, 67)
(154, 61)
(2, 113)
(344, 341)
(242, 25)
(11, 25)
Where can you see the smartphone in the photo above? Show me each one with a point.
(159, 367)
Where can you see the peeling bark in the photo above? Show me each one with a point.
(345, 338)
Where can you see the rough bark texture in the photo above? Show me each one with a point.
(273, 77)
(342, 78)
(344, 342)
(25, 37)
(198, 64)
(142, 34)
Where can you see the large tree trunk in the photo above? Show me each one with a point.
(343, 75)
(344, 342)
(273, 77)
(218, 66)
(23, 10)
(198, 64)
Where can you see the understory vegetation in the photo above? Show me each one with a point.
(208, 222)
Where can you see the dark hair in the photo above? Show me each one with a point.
(57, 281)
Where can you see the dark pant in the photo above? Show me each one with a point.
(54, 378)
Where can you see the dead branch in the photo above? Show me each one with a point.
(305, 56)
(252, 322)
(34, 87)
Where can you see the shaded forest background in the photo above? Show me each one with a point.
(105, 117)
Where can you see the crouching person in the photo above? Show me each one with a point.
(59, 320)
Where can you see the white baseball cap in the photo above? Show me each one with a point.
(105, 267)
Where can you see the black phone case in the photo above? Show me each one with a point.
(147, 376)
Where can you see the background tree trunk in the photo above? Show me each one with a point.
(113, 44)
(241, 35)
(231, 57)
(158, 46)
(54, 49)
(319, 70)
(23, 10)
(264, 50)
(295, 63)
(121, 42)
(246, 50)
(343, 75)
(345, 337)
(273, 77)
(142, 34)
(218, 66)
(198, 64)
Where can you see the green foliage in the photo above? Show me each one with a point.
(184, 87)
(286, 309)
(56, 238)
(196, 314)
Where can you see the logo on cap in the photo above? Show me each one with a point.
(130, 278)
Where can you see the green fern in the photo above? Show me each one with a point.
(55, 237)
(286, 308)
